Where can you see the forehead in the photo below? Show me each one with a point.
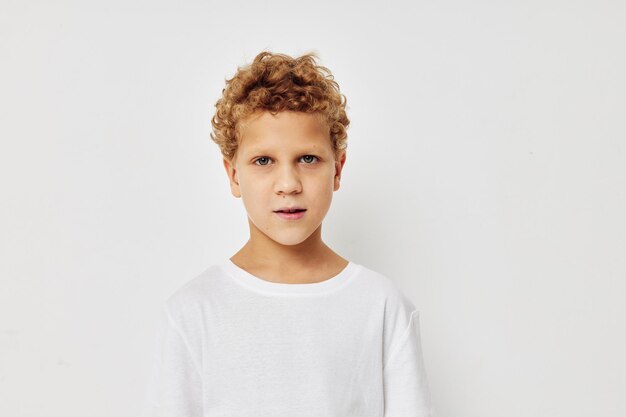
(283, 130)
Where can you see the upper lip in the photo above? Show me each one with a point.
(290, 208)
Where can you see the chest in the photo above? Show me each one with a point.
(293, 354)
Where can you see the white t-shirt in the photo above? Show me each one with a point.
(232, 344)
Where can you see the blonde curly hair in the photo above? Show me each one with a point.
(277, 82)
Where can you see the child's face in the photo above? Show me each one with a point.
(284, 161)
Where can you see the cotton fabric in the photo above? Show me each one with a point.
(231, 344)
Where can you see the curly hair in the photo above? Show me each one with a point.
(277, 82)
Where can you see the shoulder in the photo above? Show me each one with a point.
(191, 298)
(377, 282)
(398, 310)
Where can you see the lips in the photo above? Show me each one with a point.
(285, 215)
(289, 210)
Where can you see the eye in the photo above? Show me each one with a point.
(258, 159)
(312, 156)
(266, 158)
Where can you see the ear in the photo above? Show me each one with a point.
(338, 168)
(231, 171)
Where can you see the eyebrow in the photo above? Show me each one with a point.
(258, 151)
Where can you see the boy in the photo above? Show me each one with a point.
(286, 327)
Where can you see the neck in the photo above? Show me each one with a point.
(262, 251)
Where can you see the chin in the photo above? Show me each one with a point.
(290, 237)
(284, 234)
(289, 240)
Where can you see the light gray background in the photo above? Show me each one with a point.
(485, 175)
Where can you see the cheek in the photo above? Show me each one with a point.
(325, 176)
(251, 194)
(322, 190)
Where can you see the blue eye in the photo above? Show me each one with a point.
(258, 159)
(311, 156)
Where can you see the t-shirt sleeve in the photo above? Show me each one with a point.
(406, 390)
(175, 385)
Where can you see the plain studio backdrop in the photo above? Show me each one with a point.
(485, 174)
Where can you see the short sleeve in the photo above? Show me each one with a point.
(406, 390)
(175, 385)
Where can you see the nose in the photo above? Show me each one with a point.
(287, 181)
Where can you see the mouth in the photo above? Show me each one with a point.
(290, 214)
(293, 209)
